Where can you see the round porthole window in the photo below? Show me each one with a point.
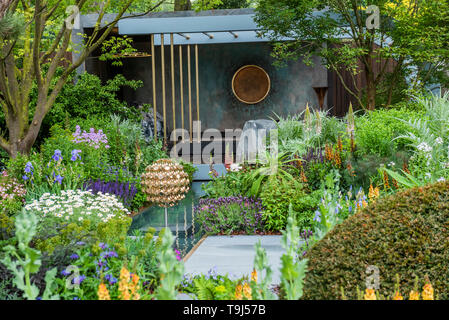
(251, 84)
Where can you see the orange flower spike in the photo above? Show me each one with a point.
(405, 168)
(134, 287)
(337, 160)
(303, 176)
(370, 294)
(103, 293)
(238, 292)
(254, 275)
(395, 184)
(371, 192)
(376, 192)
(386, 184)
(397, 296)
(247, 291)
(364, 204)
(328, 153)
(123, 285)
(339, 145)
(427, 292)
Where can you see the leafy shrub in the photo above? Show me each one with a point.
(307, 130)
(406, 234)
(12, 197)
(87, 98)
(276, 197)
(213, 286)
(231, 184)
(12, 194)
(376, 130)
(428, 138)
(230, 214)
(23, 260)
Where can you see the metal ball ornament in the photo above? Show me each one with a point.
(165, 183)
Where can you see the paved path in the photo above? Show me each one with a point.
(234, 255)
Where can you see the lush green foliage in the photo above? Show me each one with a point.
(231, 184)
(293, 270)
(404, 234)
(210, 286)
(428, 137)
(417, 25)
(91, 265)
(87, 98)
(25, 260)
(170, 269)
(376, 131)
(276, 197)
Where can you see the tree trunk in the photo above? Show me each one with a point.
(4, 5)
(182, 5)
(370, 85)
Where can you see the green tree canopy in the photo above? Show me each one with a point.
(415, 33)
(34, 55)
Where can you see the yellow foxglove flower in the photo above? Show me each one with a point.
(397, 296)
(123, 285)
(254, 275)
(238, 292)
(414, 295)
(370, 294)
(427, 292)
(103, 293)
(247, 291)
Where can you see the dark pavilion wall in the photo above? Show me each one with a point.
(291, 86)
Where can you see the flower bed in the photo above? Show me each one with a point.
(76, 205)
(230, 214)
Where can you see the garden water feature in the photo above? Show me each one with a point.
(181, 218)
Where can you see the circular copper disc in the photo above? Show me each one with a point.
(251, 84)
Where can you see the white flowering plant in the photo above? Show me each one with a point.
(77, 205)
(430, 145)
(76, 215)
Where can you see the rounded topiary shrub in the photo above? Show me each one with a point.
(405, 234)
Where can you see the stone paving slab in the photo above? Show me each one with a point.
(234, 255)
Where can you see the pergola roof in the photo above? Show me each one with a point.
(207, 27)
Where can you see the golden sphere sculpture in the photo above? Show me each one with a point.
(165, 183)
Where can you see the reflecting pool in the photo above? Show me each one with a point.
(181, 220)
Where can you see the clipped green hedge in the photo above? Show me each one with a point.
(406, 234)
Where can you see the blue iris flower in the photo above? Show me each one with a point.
(75, 155)
(57, 155)
(58, 179)
(317, 216)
